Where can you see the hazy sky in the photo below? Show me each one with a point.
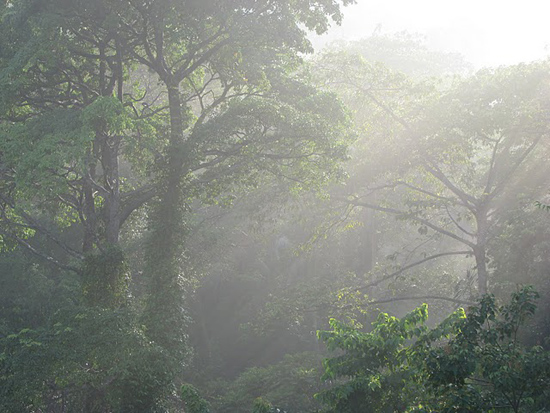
(487, 32)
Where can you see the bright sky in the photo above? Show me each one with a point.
(487, 32)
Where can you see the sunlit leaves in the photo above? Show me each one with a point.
(373, 367)
(470, 362)
(46, 150)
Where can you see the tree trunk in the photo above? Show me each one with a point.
(480, 250)
(481, 265)
(88, 217)
(109, 159)
(164, 315)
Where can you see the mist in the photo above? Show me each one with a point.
(487, 34)
(270, 206)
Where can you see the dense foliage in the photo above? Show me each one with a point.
(114, 119)
(472, 361)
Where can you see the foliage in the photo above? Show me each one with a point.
(140, 121)
(447, 158)
(194, 403)
(84, 359)
(376, 364)
(408, 53)
(484, 365)
(110, 110)
(472, 361)
(261, 406)
(105, 278)
(288, 385)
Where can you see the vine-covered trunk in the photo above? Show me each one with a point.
(109, 150)
(164, 314)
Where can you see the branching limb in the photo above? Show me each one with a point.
(135, 199)
(468, 200)
(423, 221)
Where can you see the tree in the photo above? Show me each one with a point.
(448, 160)
(217, 64)
(376, 364)
(473, 361)
(194, 403)
(84, 148)
(289, 385)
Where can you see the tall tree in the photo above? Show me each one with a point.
(85, 142)
(449, 158)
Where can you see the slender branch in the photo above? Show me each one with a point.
(457, 224)
(415, 218)
(514, 167)
(414, 264)
(410, 298)
(491, 174)
(39, 254)
(185, 71)
(34, 225)
(386, 109)
(429, 193)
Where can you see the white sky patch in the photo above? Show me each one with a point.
(487, 32)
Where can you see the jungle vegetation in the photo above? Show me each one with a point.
(199, 214)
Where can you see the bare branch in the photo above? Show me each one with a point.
(491, 174)
(468, 200)
(414, 264)
(414, 218)
(429, 193)
(457, 224)
(415, 298)
(135, 199)
(514, 167)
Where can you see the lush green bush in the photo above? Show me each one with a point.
(85, 359)
(472, 362)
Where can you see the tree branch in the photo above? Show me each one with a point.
(133, 200)
(414, 264)
(412, 217)
(39, 254)
(468, 200)
(34, 225)
(410, 298)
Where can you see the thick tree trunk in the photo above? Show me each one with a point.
(110, 154)
(164, 314)
(109, 157)
(88, 213)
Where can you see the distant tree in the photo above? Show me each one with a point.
(194, 403)
(289, 385)
(448, 159)
(408, 53)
